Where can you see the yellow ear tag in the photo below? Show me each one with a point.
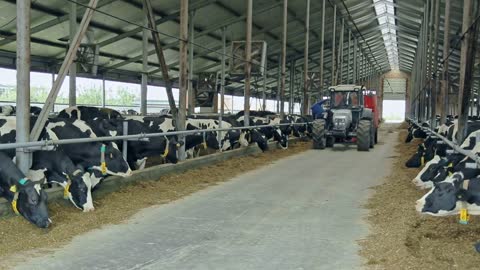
(13, 188)
(464, 216)
(422, 161)
(165, 154)
(103, 167)
(14, 207)
(178, 145)
(66, 191)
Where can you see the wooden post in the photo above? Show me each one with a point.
(69, 57)
(305, 62)
(248, 59)
(161, 57)
(466, 68)
(284, 58)
(183, 75)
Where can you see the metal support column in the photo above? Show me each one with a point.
(103, 92)
(348, 55)
(23, 83)
(305, 62)
(183, 74)
(446, 48)
(144, 86)
(284, 58)
(292, 86)
(222, 84)
(466, 68)
(340, 54)
(248, 59)
(334, 81)
(72, 91)
(322, 45)
(191, 91)
(279, 82)
(354, 81)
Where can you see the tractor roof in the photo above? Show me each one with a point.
(345, 87)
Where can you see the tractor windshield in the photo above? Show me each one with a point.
(345, 99)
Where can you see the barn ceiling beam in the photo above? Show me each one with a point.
(52, 23)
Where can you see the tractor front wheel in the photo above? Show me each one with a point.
(318, 134)
(363, 135)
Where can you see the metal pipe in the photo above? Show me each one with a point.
(284, 58)
(248, 59)
(333, 80)
(71, 53)
(23, 83)
(142, 136)
(191, 91)
(322, 44)
(144, 85)
(72, 92)
(183, 75)
(305, 62)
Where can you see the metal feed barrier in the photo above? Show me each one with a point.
(456, 148)
(48, 145)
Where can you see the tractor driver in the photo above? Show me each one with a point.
(353, 99)
(340, 99)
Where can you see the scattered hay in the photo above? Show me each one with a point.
(17, 235)
(403, 239)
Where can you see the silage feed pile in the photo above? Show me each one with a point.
(19, 239)
(401, 238)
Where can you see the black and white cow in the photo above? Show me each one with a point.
(57, 167)
(88, 112)
(271, 133)
(94, 156)
(449, 196)
(26, 197)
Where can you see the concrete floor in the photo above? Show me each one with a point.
(303, 212)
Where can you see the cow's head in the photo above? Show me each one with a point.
(78, 190)
(111, 160)
(254, 135)
(171, 149)
(108, 127)
(281, 138)
(30, 201)
(418, 159)
(442, 199)
(211, 140)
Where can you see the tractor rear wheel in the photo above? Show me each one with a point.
(318, 134)
(363, 135)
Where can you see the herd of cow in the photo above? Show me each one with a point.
(79, 168)
(453, 178)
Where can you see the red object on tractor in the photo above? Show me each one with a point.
(370, 101)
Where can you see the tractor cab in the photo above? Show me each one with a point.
(347, 106)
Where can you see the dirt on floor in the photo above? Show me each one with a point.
(17, 235)
(401, 238)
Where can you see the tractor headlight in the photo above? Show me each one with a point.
(340, 123)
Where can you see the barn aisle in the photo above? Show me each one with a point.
(302, 212)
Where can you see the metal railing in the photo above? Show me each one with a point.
(451, 144)
(141, 136)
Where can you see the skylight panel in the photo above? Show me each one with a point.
(385, 12)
